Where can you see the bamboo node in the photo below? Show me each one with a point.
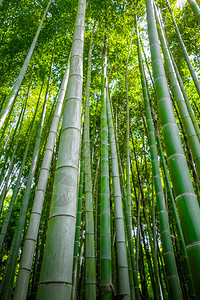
(106, 288)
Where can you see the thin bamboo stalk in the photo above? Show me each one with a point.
(128, 228)
(78, 229)
(90, 264)
(128, 182)
(122, 262)
(12, 260)
(190, 67)
(11, 98)
(187, 101)
(14, 195)
(105, 228)
(19, 123)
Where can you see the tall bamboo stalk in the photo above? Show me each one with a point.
(90, 264)
(122, 262)
(170, 263)
(31, 237)
(128, 182)
(19, 123)
(56, 272)
(10, 168)
(105, 225)
(128, 228)
(78, 229)
(187, 101)
(16, 127)
(195, 8)
(11, 98)
(192, 72)
(188, 151)
(12, 260)
(14, 195)
(186, 200)
(184, 114)
(155, 278)
(43, 227)
(172, 202)
(138, 233)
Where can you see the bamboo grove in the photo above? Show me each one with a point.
(100, 149)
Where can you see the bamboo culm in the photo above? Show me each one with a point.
(170, 263)
(187, 101)
(19, 123)
(184, 114)
(105, 228)
(173, 205)
(195, 8)
(192, 72)
(12, 260)
(56, 271)
(128, 229)
(128, 183)
(14, 195)
(78, 229)
(11, 98)
(31, 237)
(122, 262)
(90, 260)
(186, 200)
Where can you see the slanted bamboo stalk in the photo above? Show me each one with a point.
(14, 195)
(19, 123)
(11, 98)
(172, 201)
(42, 235)
(12, 260)
(189, 154)
(192, 72)
(186, 200)
(31, 237)
(195, 8)
(187, 101)
(184, 114)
